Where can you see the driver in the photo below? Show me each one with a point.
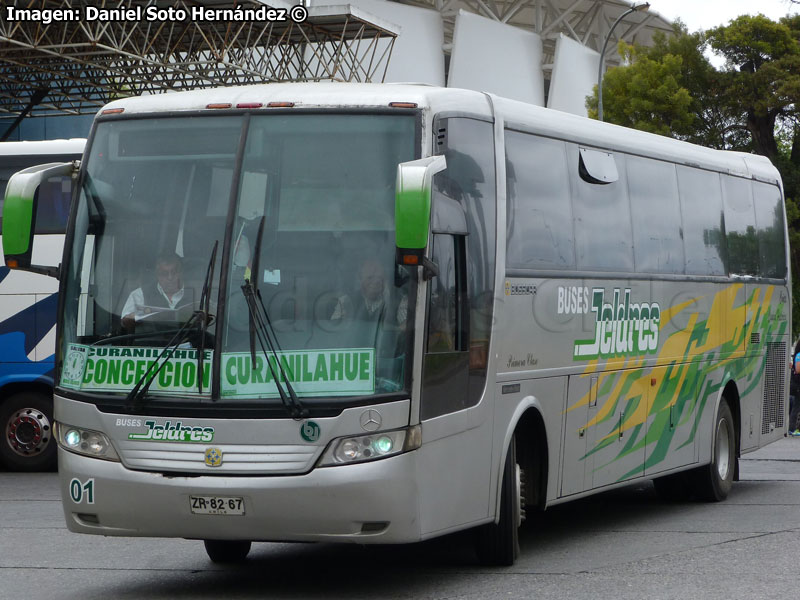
(162, 294)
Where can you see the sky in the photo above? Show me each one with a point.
(704, 14)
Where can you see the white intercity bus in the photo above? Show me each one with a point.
(383, 313)
(28, 304)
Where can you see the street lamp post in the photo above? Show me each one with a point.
(634, 8)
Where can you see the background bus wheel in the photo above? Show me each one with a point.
(713, 482)
(227, 551)
(26, 419)
(497, 544)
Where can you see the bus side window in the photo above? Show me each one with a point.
(770, 227)
(602, 212)
(739, 230)
(656, 213)
(539, 224)
(702, 221)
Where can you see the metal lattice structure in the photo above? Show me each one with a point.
(76, 66)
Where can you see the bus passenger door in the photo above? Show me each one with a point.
(446, 363)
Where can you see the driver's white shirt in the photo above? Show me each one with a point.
(135, 302)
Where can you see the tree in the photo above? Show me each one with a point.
(654, 101)
(763, 76)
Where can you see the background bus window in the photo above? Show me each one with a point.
(602, 219)
(52, 205)
(740, 233)
(656, 211)
(769, 229)
(703, 232)
(539, 225)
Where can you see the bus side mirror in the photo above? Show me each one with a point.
(19, 215)
(412, 211)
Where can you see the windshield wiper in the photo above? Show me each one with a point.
(135, 398)
(261, 329)
(205, 316)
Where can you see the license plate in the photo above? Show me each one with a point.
(216, 505)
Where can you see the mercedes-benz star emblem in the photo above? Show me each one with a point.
(370, 420)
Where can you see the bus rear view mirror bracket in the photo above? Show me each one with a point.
(413, 211)
(19, 215)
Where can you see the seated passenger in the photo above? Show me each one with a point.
(374, 301)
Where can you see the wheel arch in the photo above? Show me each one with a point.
(527, 424)
(15, 386)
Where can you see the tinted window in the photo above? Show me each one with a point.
(602, 219)
(657, 243)
(701, 206)
(468, 145)
(539, 208)
(769, 228)
(443, 299)
(740, 231)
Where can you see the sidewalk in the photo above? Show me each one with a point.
(786, 449)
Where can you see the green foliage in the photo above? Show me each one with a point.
(750, 105)
(656, 102)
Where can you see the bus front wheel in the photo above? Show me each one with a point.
(497, 544)
(227, 551)
(27, 444)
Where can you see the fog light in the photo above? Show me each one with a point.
(383, 444)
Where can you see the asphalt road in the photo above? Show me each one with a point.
(622, 544)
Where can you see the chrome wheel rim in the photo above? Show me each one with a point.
(28, 432)
(723, 454)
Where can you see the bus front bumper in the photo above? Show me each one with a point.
(373, 502)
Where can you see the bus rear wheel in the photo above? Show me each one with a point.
(713, 482)
(227, 551)
(497, 544)
(27, 441)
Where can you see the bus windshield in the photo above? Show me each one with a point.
(312, 194)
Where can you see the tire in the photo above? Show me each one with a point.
(497, 544)
(227, 551)
(713, 482)
(26, 422)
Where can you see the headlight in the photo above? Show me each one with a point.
(85, 441)
(371, 446)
